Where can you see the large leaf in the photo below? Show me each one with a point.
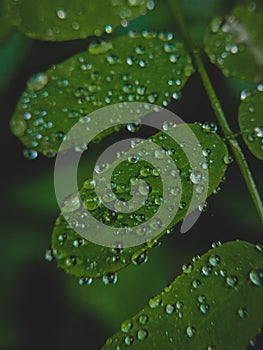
(59, 20)
(145, 68)
(84, 258)
(251, 121)
(235, 43)
(216, 304)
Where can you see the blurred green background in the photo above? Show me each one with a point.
(41, 306)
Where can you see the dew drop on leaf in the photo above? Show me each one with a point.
(110, 278)
(214, 260)
(242, 312)
(232, 281)
(142, 334)
(126, 326)
(190, 331)
(256, 277)
(169, 309)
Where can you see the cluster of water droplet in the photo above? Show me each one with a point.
(80, 256)
(106, 74)
(169, 308)
(235, 36)
(250, 117)
(68, 22)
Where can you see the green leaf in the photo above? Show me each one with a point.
(144, 68)
(216, 304)
(60, 20)
(235, 43)
(251, 122)
(89, 260)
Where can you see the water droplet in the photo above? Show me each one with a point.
(242, 312)
(143, 319)
(216, 244)
(204, 308)
(228, 159)
(256, 277)
(167, 125)
(49, 255)
(78, 242)
(179, 305)
(139, 258)
(190, 331)
(201, 299)
(37, 82)
(259, 131)
(196, 177)
(126, 326)
(232, 281)
(61, 14)
(140, 50)
(223, 273)
(75, 25)
(155, 302)
(142, 334)
(169, 309)
(30, 154)
(89, 184)
(196, 284)
(71, 204)
(245, 94)
(259, 247)
(112, 59)
(153, 97)
(110, 278)
(133, 158)
(100, 168)
(85, 281)
(203, 207)
(214, 260)
(128, 340)
(108, 29)
(209, 127)
(71, 261)
(187, 268)
(206, 270)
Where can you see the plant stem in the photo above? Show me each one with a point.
(216, 105)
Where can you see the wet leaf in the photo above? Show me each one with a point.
(251, 121)
(216, 304)
(85, 259)
(61, 20)
(235, 43)
(148, 68)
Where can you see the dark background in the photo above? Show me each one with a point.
(41, 306)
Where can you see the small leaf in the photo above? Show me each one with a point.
(85, 259)
(143, 68)
(217, 304)
(251, 121)
(235, 43)
(61, 20)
